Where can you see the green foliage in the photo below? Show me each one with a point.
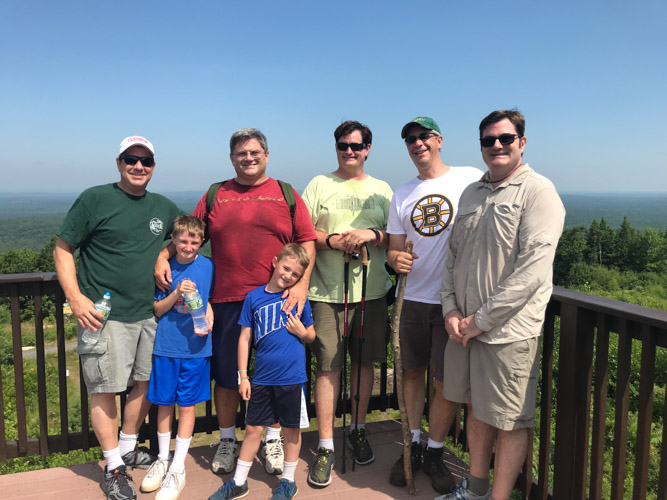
(23, 464)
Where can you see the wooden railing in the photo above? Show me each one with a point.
(578, 328)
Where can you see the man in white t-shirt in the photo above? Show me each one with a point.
(423, 211)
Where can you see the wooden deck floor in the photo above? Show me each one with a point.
(368, 482)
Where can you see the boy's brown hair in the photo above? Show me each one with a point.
(296, 251)
(189, 224)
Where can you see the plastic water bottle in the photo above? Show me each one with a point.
(104, 306)
(197, 310)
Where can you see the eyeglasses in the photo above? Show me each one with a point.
(505, 140)
(146, 161)
(411, 139)
(354, 146)
(241, 155)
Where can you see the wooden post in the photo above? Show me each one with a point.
(398, 370)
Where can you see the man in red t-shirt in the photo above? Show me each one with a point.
(248, 225)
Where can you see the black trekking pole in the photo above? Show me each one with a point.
(364, 264)
(343, 390)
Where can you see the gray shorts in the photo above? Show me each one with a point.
(423, 337)
(329, 329)
(499, 380)
(123, 353)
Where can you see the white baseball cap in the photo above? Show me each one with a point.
(135, 140)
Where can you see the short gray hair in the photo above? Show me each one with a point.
(245, 134)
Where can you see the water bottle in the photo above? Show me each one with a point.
(104, 306)
(197, 310)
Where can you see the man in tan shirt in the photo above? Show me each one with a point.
(495, 288)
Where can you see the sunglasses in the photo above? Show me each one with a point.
(146, 161)
(411, 139)
(505, 140)
(354, 146)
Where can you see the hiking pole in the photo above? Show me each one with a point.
(364, 264)
(398, 370)
(343, 390)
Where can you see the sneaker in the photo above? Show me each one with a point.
(229, 491)
(320, 470)
(171, 487)
(117, 484)
(273, 455)
(397, 476)
(461, 492)
(361, 450)
(227, 452)
(286, 490)
(139, 458)
(155, 476)
(442, 480)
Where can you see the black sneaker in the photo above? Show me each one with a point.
(442, 480)
(117, 484)
(320, 470)
(139, 458)
(397, 476)
(361, 450)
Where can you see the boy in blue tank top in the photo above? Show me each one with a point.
(181, 357)
(276, 393)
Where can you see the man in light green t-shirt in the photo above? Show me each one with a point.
(119, 229)
(349, 209)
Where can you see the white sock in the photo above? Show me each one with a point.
(113, 458)
(242, 471)
(434, 444)
(272, 433)
(163, 442)
(180, 451)
(416, 435)
(288, 470)
(126, 442)
(326, 443)
(228, 433)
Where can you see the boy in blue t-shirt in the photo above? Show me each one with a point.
(280, 371)
(181, 357)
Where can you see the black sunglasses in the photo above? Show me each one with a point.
(146, 161)
(505, 140)
(354, 146)
(411, 139)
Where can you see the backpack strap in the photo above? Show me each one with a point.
(288, 194)
(210, 201)
(285, 187)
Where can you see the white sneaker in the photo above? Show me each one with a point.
(223, 461)
(273, 454)
(171, 487)
(155, 475)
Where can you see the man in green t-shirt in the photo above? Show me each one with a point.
(119, 229)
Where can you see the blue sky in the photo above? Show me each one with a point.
(78, 76)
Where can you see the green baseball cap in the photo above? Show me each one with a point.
(424, 121)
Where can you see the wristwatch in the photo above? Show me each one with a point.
(239, 377)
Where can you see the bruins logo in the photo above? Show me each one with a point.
(432, 214)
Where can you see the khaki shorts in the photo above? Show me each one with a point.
(124, 352)
(499, 380)
(423, 337)
(328, 344)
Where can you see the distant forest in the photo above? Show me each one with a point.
(29, 221)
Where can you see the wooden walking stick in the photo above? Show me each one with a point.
(398, 370)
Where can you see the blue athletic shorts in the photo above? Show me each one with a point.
(277, 403)
(225, 337)
(184, 381)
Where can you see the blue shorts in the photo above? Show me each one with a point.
(277, 403)
(225, 342)
(184, 381)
